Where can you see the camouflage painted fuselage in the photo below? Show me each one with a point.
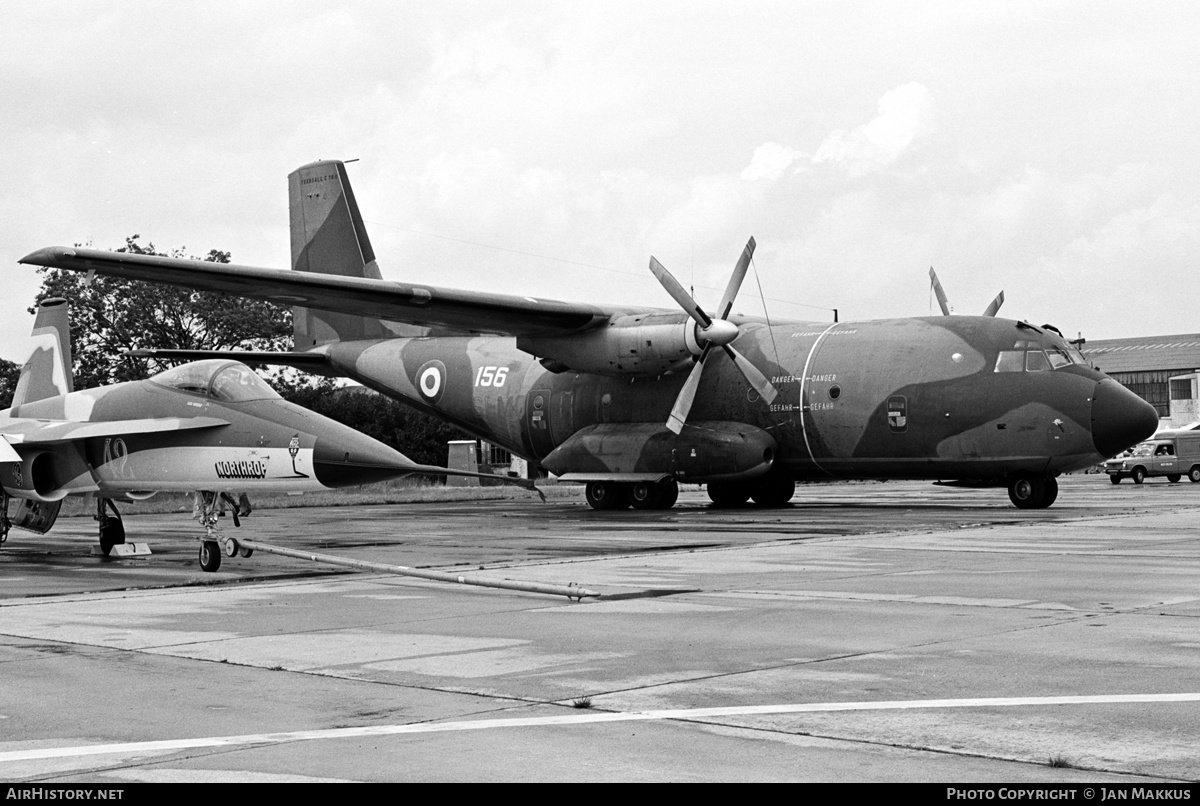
(902, 398)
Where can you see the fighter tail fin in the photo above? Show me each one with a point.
(329, 237)
(47, 373)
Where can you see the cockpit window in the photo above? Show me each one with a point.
(238, 382)
(218, 379)
(1036, 361)
(1058, 357)
(1028, 356)
(1010, 361)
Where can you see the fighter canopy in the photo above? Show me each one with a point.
(719, 332)
(219, 378)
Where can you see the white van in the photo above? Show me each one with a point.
(1173, 454)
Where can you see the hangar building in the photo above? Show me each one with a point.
(1163, 370)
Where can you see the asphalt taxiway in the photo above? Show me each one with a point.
(867, 632)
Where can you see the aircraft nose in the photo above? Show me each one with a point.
(351, 458)
(1120, 418)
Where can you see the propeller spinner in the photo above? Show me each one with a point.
(711, 333)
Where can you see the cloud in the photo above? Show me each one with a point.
(769, 162)
(904, 113)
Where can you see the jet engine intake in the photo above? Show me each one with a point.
(37, 477)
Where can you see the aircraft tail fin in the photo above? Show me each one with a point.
(47, 373)
(329, 237)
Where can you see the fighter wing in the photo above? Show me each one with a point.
(464, 311)
(28, 431)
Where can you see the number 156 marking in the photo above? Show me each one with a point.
(491, 376)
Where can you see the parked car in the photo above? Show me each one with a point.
(1173, 454)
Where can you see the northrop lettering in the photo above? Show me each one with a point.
(241, 470)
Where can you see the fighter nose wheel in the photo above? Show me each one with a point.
(210, 555)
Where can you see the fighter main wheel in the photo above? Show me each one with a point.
(210, 555)
(112, 533)
(1138, 475)
(606, 495)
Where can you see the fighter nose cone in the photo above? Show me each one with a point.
(1120, 418)
(352, 458)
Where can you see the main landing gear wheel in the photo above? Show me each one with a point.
(112, 529)
(653, 494)
(1033, 492)
(210, 555)
(728, 493)
(772, 490)
(606, 495)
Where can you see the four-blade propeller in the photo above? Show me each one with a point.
(718, 332)
(944, 303)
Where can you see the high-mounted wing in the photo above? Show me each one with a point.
(464, 311)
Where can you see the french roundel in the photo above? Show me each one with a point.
(431, 381)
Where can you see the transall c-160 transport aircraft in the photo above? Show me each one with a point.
(210, 426)
(631, 400)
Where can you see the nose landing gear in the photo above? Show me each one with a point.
(207, 508)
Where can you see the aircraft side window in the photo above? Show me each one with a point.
(1036, 361)
(1010, 361)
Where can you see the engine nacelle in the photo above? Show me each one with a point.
(39, 476)
(645, 345)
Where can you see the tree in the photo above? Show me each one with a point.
(110, 316)
(9, 373)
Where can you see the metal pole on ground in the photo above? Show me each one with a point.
(571, 591)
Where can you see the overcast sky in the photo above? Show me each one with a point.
(1050, 149)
